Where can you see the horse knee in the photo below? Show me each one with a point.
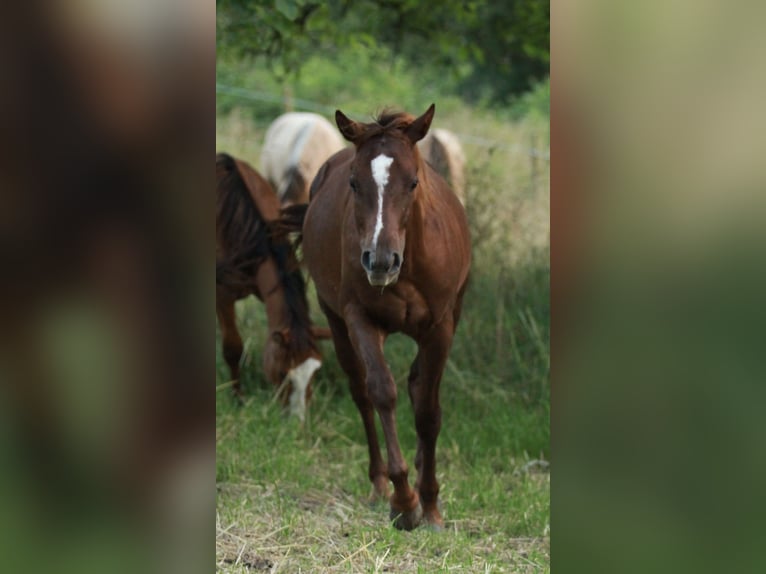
(358, 392)
(382, 391)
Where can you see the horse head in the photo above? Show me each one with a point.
(290, 366)
(384, 183)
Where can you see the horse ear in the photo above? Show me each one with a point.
(349, 129)
(320, 332)
(418, 129)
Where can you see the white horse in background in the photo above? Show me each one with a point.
(295, 147)
(441, 148)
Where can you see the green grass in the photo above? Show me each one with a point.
(296, 497)
(293, 498)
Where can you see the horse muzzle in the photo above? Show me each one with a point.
(382, 269)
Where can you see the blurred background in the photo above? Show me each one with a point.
(106, 448)
(658, 259)
(485, 66)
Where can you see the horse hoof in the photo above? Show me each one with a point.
(407, 520)
(432, 520)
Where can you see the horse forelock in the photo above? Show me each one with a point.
(386, 123)
(394, 119)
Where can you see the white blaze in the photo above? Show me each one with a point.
(380, 166)
(300, 377)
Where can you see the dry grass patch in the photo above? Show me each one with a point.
(270, 529)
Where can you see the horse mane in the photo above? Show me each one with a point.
(294, 288)
(247, 240)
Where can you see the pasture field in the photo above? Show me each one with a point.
(294, 498)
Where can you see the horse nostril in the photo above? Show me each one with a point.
(366, 256)
(397, 262)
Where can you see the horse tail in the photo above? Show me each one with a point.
(290, 224)
(241, 232)
(286, 237)
(293, 185)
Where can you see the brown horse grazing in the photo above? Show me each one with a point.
(387, 244)
(250, 261)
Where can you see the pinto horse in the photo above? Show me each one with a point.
(294, 148)
(250, 261)
(387, 243)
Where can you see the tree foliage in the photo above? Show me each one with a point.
(493, 49)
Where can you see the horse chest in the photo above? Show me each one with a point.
(399, 308)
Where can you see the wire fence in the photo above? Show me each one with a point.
(308, 105)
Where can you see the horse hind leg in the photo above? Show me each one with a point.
(424, 382)
(348, 361)
(231, 342)
(412, 384)
(406, 510)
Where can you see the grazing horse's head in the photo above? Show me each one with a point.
(384, 182)
(290, 366)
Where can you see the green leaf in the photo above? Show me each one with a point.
(289, 8)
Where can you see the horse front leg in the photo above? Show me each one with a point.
(347, 358)
(424, 381)
(367, 341)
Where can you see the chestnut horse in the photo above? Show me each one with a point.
(387, 243)
(249, 261)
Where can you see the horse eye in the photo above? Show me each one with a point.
(414, 183)
(352, 183)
